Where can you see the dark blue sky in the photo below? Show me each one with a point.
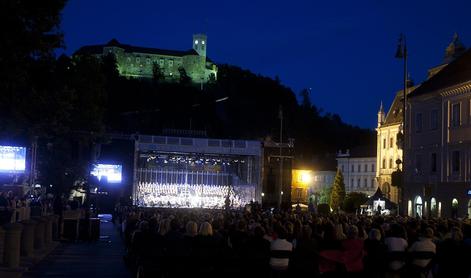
(343, 50)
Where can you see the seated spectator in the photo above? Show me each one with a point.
(353, 251)
(280, 250)
(375, 252)
(306, 254)
(424, 244)
(258, 252)
(453, 256)
(396, 243)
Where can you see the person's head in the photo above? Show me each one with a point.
(191, 228)
(175, 224)
(307, 232)
(144, 226)
(164, 227)
(374, 234)
(206, 229)
(258, 231)
(280, 231)
(428, 233)
(397, 231)
(352, 232)
(456, 234)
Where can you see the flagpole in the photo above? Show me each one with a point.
(281, 158)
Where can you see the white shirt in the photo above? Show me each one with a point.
(424, 245)
(282, 245)
(396, 244)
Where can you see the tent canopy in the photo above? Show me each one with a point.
(379, 195)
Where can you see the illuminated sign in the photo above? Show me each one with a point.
(112, 172)
(12, 159)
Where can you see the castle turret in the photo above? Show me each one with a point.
(200, 43)
(381, 115)
(454, 49)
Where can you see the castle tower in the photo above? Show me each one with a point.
(381, 115)
(200, 43)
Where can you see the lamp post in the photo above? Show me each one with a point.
(401, 53)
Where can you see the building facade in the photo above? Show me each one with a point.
(388, 145)
(438, 140)
(306, 185)
(144, 62)
(359, 170)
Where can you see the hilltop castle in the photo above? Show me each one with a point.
(141, 62)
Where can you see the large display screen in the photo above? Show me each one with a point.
(111, 172)
(12, 159)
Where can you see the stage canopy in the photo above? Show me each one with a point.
(378, 199)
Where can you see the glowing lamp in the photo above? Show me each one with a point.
(305, 177)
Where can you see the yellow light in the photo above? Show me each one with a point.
(305, 177)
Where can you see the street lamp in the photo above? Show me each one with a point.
(401, 53)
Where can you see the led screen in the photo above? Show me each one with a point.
(112, 172)
(12, 159)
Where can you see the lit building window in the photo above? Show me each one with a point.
(202, 42)
(196, 41)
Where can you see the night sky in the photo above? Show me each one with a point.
(343, 50)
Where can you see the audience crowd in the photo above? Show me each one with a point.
(258, 243)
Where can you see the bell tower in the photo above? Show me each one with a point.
(200, 43)
(381, 115)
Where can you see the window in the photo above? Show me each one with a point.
(343, 169)
(351, 183)
(418, 122)
(353, 168)
(433, 163)
(391, 142)
(161, 62)
(358, 183)
(170, 63)
(456, 114)
(455, 161)
(138, 59)
(434, 119)
(196, 41)
(148, 61)
(202, 42)
(372, 167)
(366, 182)
(372, 183)
(384, 164)
(366, 168)
(384, 143)
(391, 163)
(359, 168)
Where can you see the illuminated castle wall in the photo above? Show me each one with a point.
(139, 62)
